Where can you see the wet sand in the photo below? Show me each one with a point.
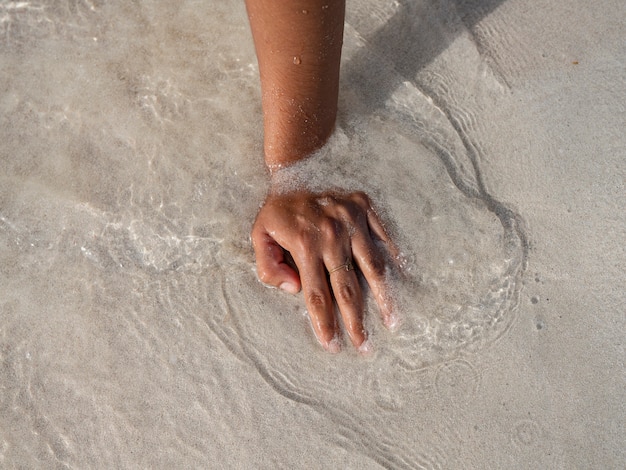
(133, 331)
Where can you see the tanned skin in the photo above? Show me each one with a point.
(298, 45)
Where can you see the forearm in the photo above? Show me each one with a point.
(298, 46)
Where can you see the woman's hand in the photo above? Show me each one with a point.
(327, 235)
(298, 46)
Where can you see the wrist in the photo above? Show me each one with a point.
(296, 128)
(328, 167)
(281, 153)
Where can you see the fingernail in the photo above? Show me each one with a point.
(289, 287)
(334, 346)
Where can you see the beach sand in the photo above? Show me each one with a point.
(133, 330)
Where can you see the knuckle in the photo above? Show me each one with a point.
(316, 300)
(256, 234)
(264, 276)
(330, 229)
(326, 199)
(345, 292)
(304, 240)
(361, 198)
(347, 213)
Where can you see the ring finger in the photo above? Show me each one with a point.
(347, 293)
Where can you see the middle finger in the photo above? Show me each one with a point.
(319, 303)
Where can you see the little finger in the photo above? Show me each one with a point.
(371, 262)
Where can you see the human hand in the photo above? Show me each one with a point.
(327, 235)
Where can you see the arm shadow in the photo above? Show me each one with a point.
(417, 32)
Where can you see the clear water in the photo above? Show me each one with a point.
(131, 172)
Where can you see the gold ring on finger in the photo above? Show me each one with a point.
(347, 266)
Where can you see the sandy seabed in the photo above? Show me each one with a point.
(133, 331)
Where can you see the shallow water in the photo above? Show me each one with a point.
(131, 174)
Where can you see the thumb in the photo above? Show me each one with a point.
(271, 264)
